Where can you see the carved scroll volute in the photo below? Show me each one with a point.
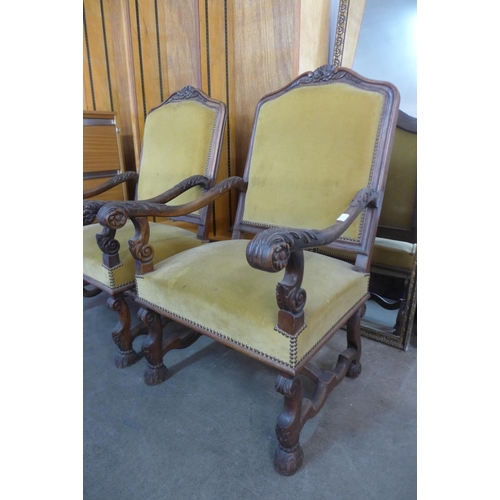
(109, 247)
(290, 296)
(139, 248)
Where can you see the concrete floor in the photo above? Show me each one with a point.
(208, 431)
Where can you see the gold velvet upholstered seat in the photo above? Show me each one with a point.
(179, 160)
(315, 175)
(394, 260)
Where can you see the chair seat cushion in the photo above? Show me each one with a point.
(391, 254)
(166, 241)
(214, 287)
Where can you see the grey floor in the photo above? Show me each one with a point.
(208, 431)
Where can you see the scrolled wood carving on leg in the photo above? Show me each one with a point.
(122, 335)
(289, 454)
(156, 372)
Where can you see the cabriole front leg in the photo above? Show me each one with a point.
(122, 335)
(156, 372)
(289, 454)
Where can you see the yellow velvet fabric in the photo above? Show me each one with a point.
(322, 161)
(401, 187)
(177, 142)
(213, 286)
(394, 254)
(166, 241)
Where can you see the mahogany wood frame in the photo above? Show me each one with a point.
(123, 334)
(271, 250)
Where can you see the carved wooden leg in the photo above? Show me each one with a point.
(354, 341)
(289, 454)
(156, 372)
(122, 335)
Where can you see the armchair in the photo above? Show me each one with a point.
(318, 158)
(179, 160)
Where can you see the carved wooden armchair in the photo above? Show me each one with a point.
(394, 260)
(179, 160)
(318, 158)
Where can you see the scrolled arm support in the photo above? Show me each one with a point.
(90, 209)
(115, 214)
(271, 250)
(276, 249)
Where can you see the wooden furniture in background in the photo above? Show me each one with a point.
(102, 153)
(236, 51)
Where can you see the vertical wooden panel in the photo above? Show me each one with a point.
(264, 45)
(218, 36)
(123, 81)
(314, 34)
(145, 52)
(97, 55)
(181, 22)
(137, 52)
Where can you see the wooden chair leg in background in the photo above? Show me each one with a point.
(157, 345)
(123, 335)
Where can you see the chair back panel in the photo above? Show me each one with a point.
(178, 139)
(401, 189)
(314, 146)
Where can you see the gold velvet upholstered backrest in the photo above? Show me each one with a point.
(398, 215)
(182, 138)
(315, 144)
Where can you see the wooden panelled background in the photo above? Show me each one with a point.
(138, 52)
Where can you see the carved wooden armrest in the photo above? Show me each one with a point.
(279, 248)
(90, 209)
(114, 181)
(190, 182)
(114, 215)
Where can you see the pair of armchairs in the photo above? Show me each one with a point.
(315, 176)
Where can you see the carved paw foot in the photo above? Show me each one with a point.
(287, 461)
(354, 370)
(126, 358)
(155, 375)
